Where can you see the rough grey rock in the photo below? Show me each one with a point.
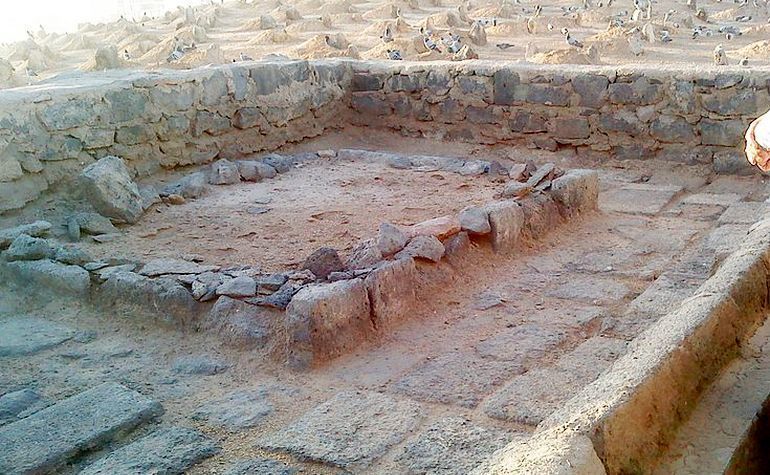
(27, 248)
(281, 298)
(515, 189)
(349, 430)
(238, 323)
(27, 335)
(365, 254)
(240, 409)
(452, 446)
(423, 247)
(260, 466)
(170, 451)
(280, 163)
(475, 220)
(72, 255)
(92, 223)
(271, 283)
(164, 298)
(507, 220)
(253, 170)
(14, 403)
(241, 286)
(163, 266)
(46, 440)
(190, 187)
(323, 261)
(577, 189)
(456, 245)
(36, 229)
(108, 185)
(52, 276)
(523, 343)
(224, 172)
(391, 288)
(390, 239)
(202, 365)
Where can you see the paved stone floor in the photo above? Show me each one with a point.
(479, 365)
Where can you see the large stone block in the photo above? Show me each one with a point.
(548, 95)
(135, 134)
(528, 122)
(640, 92)
(239, 323)
(46, 440)
(36, 229)
(570, 128)
(672, 129)
(127, 104)
(506, 220)
(731, 102)
(47, 275)
(370, 104)
(505, 85)
(169, 450)
(108, 185)
(392, 293)
(622, 121)
(73, 113)
(577, 190)
(324, 320)
(722, 132)
(591, 88)
(27, 335)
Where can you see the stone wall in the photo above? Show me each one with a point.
(695, 116)
(49, 133)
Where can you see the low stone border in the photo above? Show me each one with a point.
(330, 305)
(622, 421)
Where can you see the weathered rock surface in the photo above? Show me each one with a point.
(323, 262)
(390, 239)
(108, 185)
(475, 220)
(260, 466)
(92, 223)
(391, 288)
(202, 365)
(190, 187)
(27, 248)
(15, 403)
(36, 229)
(243, 408)
(241, 286)
(25, 335)
(366, 254)
(506, 220)
(253, 170)
(169, 450)
(238, 323)
(163, 266)
(441, 227)
(47, 439)
(423, 247)
(224, 172)
(47, 275)
(349, 430)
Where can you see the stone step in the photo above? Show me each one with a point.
(169, 451)
(48, 438)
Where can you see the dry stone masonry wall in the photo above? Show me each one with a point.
(685, 116)
(48, 134)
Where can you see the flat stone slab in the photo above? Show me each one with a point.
(243, 408)
(48, 438)
(637, 198)
(455, 378)
(712, 199)
(748, 212)
(260, 466)
(726, 238)
(351, 429)
(157, 267)
(523, 343)
(14, 403)
(169, 451)
(665, 294)
(590, 289)
(452, 446)
(29, 335)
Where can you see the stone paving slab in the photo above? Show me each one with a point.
(24, 335)
(48, 438)
(455, 378)
(260, 466)
(349, 430)
(746, 212)
(665, 294)
(726, 238)
(523, 343)
(589, 289)
(169, 451)
(15, 403)
(638, 198)
(243, 408)
(716, 199)
(452, 446)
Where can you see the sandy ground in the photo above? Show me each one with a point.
(277, 223)
(299, 29)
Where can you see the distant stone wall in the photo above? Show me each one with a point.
(49, 133)
(696, 116)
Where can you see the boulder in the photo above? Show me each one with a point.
(475, 220)
(323, 262)
(224, 172)
(52, 276)
(423, 247)
(390, 239)
(27, 248)
(252, 170)
(241, 286)
(108, 186)
(190, 187)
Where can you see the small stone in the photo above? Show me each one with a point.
(253, 170)
(150, 196)
(92, 223)
(272, 282)
(280, 163)
(323, 262)
(423, 247)
(102, 238)
(365, 254)
(242, 286)
(303, 276)
(281, 298)
(335, 276)
(175, 199)
(190, 187)
(241, 409)
(202, 365)
(326, 154)
(27, 248)
(72, 255)
(36, 229)
(544, 172)
(73, 230)
(518, 172)
(441, 228)
(516, 189)
(224, 172)
(390, 239)
(475, 220)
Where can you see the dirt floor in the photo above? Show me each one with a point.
(222, 33)
(500, 345)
